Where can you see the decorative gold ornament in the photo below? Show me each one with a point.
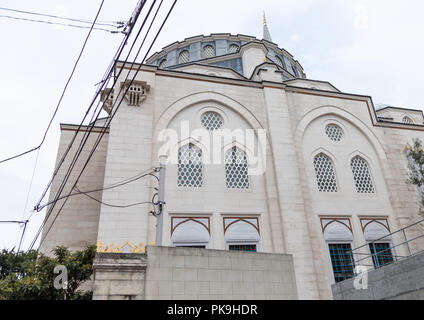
(113, 248)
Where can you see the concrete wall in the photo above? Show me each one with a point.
(166, 273)
(401, 280)
(119, 276)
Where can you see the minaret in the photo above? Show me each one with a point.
(267, 35)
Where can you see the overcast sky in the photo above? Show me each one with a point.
(364, 47)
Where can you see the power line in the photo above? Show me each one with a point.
(64, 90)
(22, 236)
(133, 20)
(102, 85)
(58, 24)
(112, 24)
(12, 221)
(110, 118)
(113, 186)
(30, 184)
(87, 133)
(112, 205)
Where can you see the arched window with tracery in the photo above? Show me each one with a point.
(190, 166)
(325, 174)
(190, 232)
(361, 175)
(236, 169)
(241, 234)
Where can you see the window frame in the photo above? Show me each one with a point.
(181, 244)
(203, 114)
(278, 58)
(392, 252)
(370, 172)
(179, 56)
(204, 49)
(191, 187)
(233, 45)
(163, 60)
(247, 164)
(242, 243)
(352, 245)
(185, 220)
(333, 162)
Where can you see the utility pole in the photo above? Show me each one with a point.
(161, 200)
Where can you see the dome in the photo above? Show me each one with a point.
(223, 50)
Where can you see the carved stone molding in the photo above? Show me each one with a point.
(136, 93)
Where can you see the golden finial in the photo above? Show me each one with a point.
(264, 19)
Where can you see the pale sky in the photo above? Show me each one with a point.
(363, 47)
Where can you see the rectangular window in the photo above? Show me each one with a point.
(381, 254)
(341, 260)
(201, 247)
(242, 247)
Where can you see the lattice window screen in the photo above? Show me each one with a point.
(362, 176)
(190, 167)
(236, 169)
(233, 48)
(324, 170)
(334, 132)
(184, 57)
(212, 121)
(208, 52)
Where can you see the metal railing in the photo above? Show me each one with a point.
(390, 248)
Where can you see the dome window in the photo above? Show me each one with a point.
(184, 57)
(208, 51)
(233, 48)
(279, 61)
(162, 64)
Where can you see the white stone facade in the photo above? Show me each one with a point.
(285, 200)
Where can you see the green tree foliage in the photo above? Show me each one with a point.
(31, 276)
(415, 155)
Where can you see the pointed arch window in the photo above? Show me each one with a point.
(190, 232)
(184, 57)
(236, 169)
(190, 166)
(362, 175)
(339, 237)
(324, 171)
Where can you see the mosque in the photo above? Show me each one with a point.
(259, 159)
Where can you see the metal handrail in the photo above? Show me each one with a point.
(380, 254)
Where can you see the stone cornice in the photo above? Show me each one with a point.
(74, 127)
